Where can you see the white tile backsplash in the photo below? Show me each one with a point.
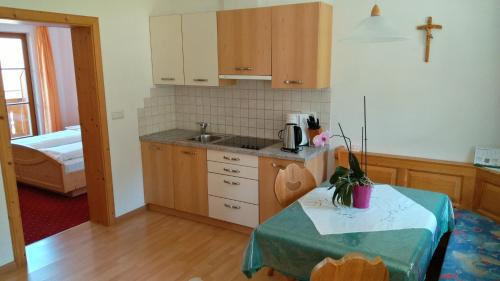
(158, 113)
(249, 108)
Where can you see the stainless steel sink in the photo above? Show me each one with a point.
(206, 138)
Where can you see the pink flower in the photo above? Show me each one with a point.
(321, 139)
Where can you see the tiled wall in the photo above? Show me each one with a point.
(249, 108)
(158, 113)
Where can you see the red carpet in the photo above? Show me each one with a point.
(45, 213)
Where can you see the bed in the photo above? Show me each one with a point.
(52, 161)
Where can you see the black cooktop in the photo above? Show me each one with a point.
(247, 142)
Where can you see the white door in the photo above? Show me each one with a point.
(199, 33)
(166, 49)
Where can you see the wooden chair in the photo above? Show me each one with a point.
(292, 183)
(352, 267)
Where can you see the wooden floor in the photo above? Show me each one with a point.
(147, 246)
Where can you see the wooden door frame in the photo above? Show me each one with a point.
(93, 119)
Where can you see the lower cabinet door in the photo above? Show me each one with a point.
(190, 180)
(157, 172)
(233, 211)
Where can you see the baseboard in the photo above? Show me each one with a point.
(6, 268)
(130, 214)
(199, 218)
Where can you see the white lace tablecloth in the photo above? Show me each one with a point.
(389, 210)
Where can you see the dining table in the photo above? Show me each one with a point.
(403, 226)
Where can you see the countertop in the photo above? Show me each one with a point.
(181, 137)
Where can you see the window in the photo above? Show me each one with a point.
(14, 66)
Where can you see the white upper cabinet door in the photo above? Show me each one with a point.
(166, 49)
(199, 32)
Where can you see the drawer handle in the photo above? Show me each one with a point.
(243, 68)
(231, 170)
(231, 182)
(232, 206)
(281, 167)
(167, 79)
(189, 152)
(293, 82)
(231, 158)
(200, 80)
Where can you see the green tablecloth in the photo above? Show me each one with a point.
(289, 242)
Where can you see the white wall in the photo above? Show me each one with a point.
(6, 254)
(438, 110)
(62, 50)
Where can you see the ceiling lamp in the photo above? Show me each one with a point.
(375, 29)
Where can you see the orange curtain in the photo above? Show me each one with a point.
(47, 80)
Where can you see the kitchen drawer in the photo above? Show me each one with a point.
(233, 170)
(233, 211)
(233, 158)
(233, 188)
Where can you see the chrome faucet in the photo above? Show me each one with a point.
(203, 128)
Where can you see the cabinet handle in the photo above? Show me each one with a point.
(189, 152)
(200, 80)
(281, 167)
(231, 158)
(293, 82)
(231, 182)
(231, 170)
(167, 79)
(232, 206)
(243, 68)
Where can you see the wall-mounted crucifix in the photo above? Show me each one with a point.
(428, 36)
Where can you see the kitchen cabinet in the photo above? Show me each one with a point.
(244, 40)
(301, 45)
(199, 37)
(166, 49)
(157, 174)
(190, 179)
(233, 187)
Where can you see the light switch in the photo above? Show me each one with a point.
(117, 115)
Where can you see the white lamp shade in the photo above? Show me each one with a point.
(375, 29)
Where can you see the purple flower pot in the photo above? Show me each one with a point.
(361, 196)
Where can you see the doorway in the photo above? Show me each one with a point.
(44, 127)
(93, 120)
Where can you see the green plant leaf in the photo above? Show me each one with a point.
(355, 167)
(348, 196)
(339, 172)
(341, 186)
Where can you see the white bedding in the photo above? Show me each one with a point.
(64, 152)
(74, 165)
(50, 140)
(64, 146)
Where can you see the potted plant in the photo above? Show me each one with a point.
(352, 185)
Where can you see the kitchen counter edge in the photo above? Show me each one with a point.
(180, 137)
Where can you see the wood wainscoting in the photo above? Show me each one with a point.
(487, 193)
(468, 186)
